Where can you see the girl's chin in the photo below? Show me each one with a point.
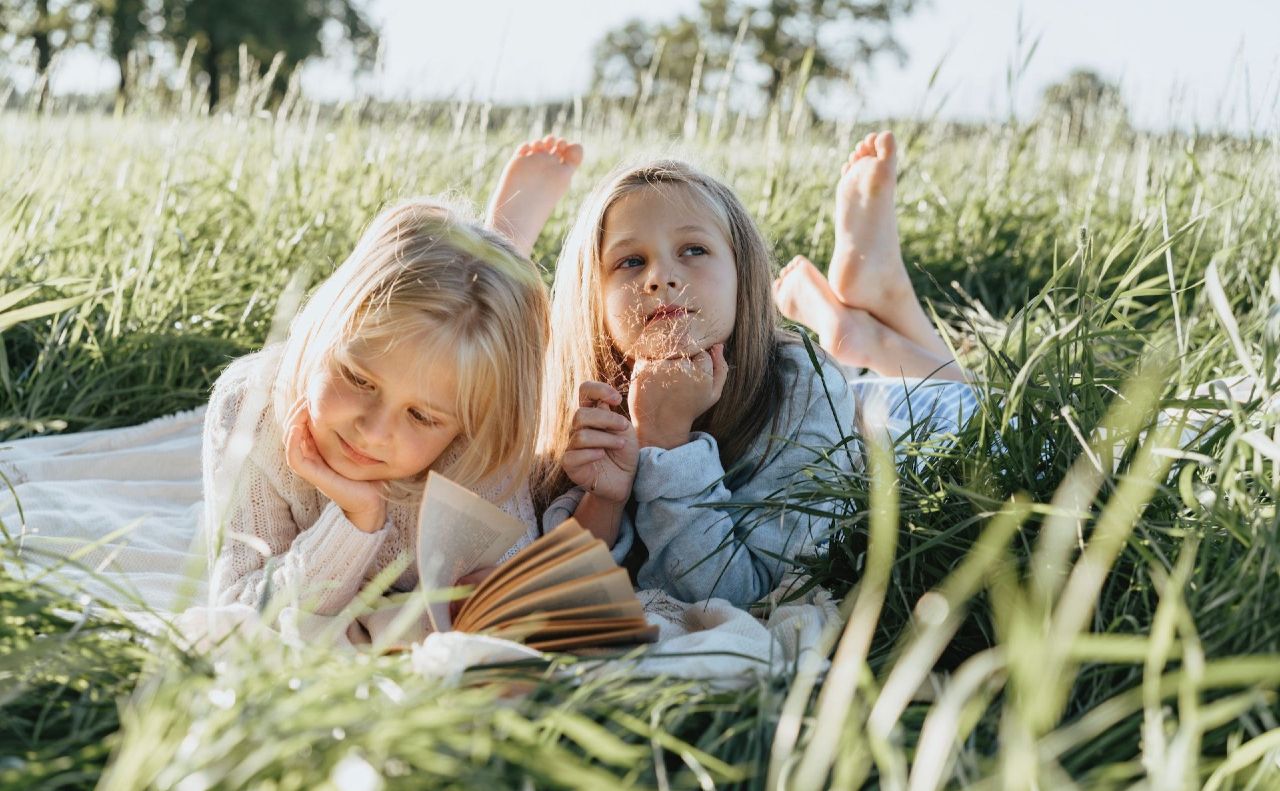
(665, 348)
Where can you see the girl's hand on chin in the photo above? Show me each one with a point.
(361, 501)
(668, 395)
(603, 451)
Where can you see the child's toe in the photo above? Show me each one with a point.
(885, 145)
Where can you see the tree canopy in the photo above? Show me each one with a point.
(292, 28)
(1083, 101)
(769, 37)
(46, 27)
(295, 29)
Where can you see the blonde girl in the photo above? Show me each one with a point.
(422, 351)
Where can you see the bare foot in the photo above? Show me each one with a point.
(867, 271)
(803, 295)
(533, 181)
(866, 267)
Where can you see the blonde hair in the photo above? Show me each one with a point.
(421, 266)
(582, 350)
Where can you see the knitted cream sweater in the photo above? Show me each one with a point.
(271, 533)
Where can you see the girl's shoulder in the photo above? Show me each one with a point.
(245, 385)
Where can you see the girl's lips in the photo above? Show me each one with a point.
(666, 312)
(355, 455)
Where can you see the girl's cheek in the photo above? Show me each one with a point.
(721, 328)
(325, 398)
(619, 319)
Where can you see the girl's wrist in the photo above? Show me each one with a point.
(370, 521)
(601, 516)
(601, 500)
(666, 437)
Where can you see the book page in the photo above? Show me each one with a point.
(458, 532)
(623, 609)
(547, 629)
(608, 586)
(566, 538)
(581, 562)
(646, 634)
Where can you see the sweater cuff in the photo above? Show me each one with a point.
(683, 471)
(626, 540)
(562, 508)
(337, 550)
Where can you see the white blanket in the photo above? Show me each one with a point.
(124, 505)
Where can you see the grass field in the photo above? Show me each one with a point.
(1097, 590)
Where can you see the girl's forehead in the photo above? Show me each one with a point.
(410, 351)
(680, 200)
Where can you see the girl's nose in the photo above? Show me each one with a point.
(376, 425)
(660, 276)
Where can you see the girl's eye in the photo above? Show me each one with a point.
(355, 379)
(694, 249)
(631, 262)
(422, 418)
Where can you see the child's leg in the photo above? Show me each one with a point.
(867, 270)
(853, 336)
(533, 181)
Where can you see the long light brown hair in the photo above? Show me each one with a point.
(421, 266)
(581, 349)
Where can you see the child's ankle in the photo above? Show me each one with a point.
(855, 338)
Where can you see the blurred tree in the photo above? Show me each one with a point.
(126, 26)
(777, 37)
(638, 52)
(1083, 102)
(48, 26)
(294, 28)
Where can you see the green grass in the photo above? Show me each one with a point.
(1104, 617)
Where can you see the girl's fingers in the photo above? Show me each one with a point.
(298, 411)
(291, 446)
(597, 418)
(301, 454)
(719, 369)
(295, 454)
(590, 438)
(574, 459)
(591, 393)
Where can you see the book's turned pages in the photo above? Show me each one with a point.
(561, 592)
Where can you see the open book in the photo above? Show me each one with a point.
(561, 592)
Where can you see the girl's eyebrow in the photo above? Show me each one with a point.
(632, 240)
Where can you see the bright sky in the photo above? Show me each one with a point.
(1177, 61)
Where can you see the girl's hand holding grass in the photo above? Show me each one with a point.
(603, 449)
(361, 501)
(668, 395)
